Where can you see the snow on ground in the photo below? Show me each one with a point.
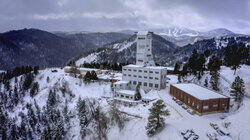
(179, 119)
(88, 59)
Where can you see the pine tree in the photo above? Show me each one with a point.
(214, 80)
(48, 79)
(51, 101)
(94, 75)
(238, 89)
(206, 82)
(137, 93)
(82, 115)
(28, 81)
(36, 68)
(34, 89)
(193, 65)
(214, 64)
(87, 76)
(176, 68)
(156, 121)
(234, 55)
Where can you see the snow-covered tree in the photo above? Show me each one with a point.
(206, 82)
(238, 89)
(214, 80)
(137, 93)
(156, 121)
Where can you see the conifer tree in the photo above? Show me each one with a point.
(137, 93)
(214, 80)
(94, 75)
(214, 64)
(193, 65)
(176, 68)
(156, 121)
(206, 82)
(238, 89)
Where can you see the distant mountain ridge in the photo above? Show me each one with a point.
(45, 49)
(184, 36)
(164, 51)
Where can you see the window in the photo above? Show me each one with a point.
(150, 77)
(140, 70)
(124, 74)
(150, 85)
(122, 95)
(189, 100)
(127, 97)
(198, 106)
(135, 70)
(129, 75)
(145, 77)
(139, 83)
(142, 38)
(124, 69)
(145, 84)
(150, 71)
(193, 103)
(215, 105)
(129, 69)
(156, 85)
(134, 75)
(134, 82)
(145, 71)
(156, 72)
(139, 60)
(205, 107)
(156, 78)
(148, 55)
(139, 76)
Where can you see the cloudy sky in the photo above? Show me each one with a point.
(113, 15)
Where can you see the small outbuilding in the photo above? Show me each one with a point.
(200, 99)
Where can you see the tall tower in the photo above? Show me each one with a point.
(144, 55)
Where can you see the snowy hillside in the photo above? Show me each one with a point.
(68, 90)
(112, 52)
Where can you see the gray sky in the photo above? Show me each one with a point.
(113, 15)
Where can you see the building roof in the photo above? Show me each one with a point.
(199, 92)
(149, 67)
(142, 33)
(127, 92)
(121, 82)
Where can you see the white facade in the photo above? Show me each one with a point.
(144, 55)
(144, 73)
(146, 77)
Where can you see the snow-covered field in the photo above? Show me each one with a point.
(179, 119)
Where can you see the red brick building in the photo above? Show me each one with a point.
(200, 99)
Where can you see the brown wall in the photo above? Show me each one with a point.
(197, 105)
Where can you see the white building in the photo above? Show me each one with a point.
(144, 73)
(144, 55)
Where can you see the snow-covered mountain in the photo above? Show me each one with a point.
(45, 49)
(183, 36)
(164, 52)
(218, 33)
(125, 51)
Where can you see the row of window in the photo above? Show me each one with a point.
(156, 72)
(145, 77)
(123, 96)
(145, 84)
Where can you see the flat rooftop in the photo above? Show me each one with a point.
(140, 66)
(127, 92)
(142, 33)
(199, 92)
